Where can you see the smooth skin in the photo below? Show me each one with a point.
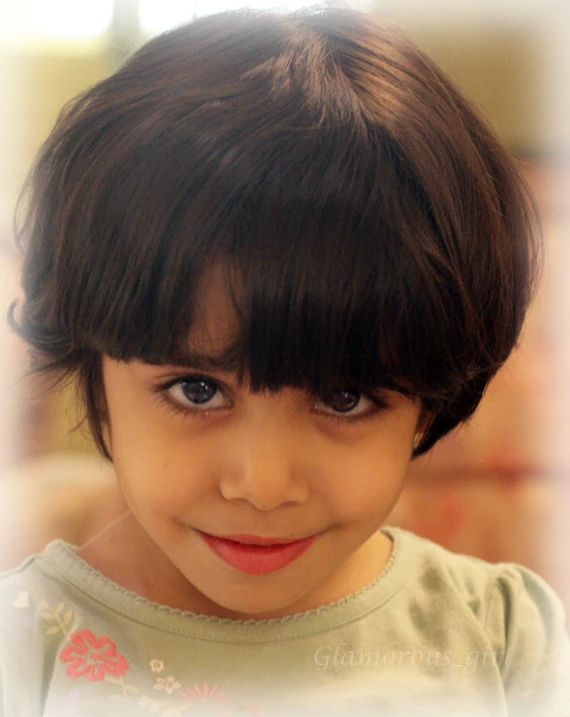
(195, 451)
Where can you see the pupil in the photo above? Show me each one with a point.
(198, 391)
(343, 401)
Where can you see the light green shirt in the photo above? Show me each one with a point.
(435, 633)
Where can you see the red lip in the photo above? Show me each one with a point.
(257, 559)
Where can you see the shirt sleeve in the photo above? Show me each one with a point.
(527, 626)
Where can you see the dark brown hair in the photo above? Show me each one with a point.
(372, 228)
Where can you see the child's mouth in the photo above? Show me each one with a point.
(255, 555)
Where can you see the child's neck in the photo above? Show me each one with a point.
(126, 555)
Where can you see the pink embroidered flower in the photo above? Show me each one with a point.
(203, 693)
(92, 658)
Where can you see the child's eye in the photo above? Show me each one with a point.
(196, 393)
(346, 404)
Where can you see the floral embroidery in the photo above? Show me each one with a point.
(204, 694)
(97, 660)
(156, 665)
(56, 615)
(92, 658)
(168, 684)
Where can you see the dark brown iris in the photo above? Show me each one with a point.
(342, 400)
(198, 390)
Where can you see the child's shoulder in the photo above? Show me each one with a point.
(491, 590)
(30, 571)
(516, 613)
(35, 595)
(25, 595)
(15, 584)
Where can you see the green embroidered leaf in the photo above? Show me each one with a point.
(67, 617)
(47, 615)
(59, 608)
(52, 630)
(44, 606)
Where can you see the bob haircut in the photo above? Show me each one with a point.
(371, 229)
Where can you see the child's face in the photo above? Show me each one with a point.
(210, 456)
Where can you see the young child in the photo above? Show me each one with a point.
(280, 256)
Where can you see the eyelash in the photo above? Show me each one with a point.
(379, 401)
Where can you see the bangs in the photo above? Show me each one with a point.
(321, 262)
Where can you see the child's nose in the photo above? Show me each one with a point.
(267, 470)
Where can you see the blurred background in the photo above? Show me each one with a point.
(500, 487)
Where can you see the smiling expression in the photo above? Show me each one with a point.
(197, 452)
